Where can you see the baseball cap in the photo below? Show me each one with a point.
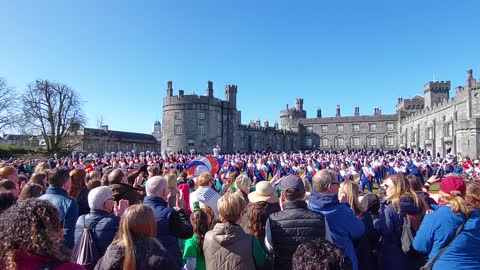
(292, 181)
(452, 183)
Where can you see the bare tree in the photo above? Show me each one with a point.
(8, 103)
(51, 108)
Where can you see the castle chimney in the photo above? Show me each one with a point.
(379, 111)
(357, 110)
(319, 112)
(169, 89)
(258, 123)
(181, 93)
(337, 114)
(209, 89)
(275, 125)
(265, 124)
(470, 79)
(299, 103)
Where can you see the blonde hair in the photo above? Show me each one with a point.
(231, 206)
(172, 181)
(243, 182)
(350, 189)
(6, 171)
(456, 201)
(402, 187)
(42, 167)
(138, 221)
(204, 179)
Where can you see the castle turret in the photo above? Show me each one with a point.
(209, 89)
(337, 113)
(299, 104)
(319, 112)
(258, 123)
(435, 92)
(275, 125)
(266, 124)
(157, 130)
(470, 80)
(357, 110)
(169, 89)
(231, 95)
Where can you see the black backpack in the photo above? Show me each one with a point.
(85, 252)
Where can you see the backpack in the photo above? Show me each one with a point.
(409, 227)
(85, 252)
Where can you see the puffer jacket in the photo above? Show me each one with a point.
(149, 254)
(68, 209)
(103, 232)
(228, 247)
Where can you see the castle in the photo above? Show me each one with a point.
(433, 122)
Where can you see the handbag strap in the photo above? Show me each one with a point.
(440, 252)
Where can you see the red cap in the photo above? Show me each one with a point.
(451, 183)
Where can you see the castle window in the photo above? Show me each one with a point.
(355, 141)
(178, 130)
(372, 141)
(309, 142)
(390, 126)
(324, 128)
(191, 143)
(219, 131)
(324, 142)
(430, 133)
(373, 127)
(219, 117)
(389, 140)
(339, 141)
(450, 129)
(201, 116)
(201, 130)
(356, 128)
(169, 143)
(178, 115)
(309, 130)
(339, 128)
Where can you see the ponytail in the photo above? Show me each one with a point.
(456, 201)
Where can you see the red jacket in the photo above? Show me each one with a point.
(28, 261)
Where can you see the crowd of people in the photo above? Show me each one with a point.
(298, 210)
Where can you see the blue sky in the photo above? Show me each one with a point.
(119, 54)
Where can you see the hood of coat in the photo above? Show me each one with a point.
(226, 234)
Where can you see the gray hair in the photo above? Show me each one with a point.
(98, 196)
(154, 184)
(322, 179)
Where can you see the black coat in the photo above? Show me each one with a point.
(150, 254)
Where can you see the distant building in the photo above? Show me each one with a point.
(433, 122)
(26, 141)
(103, 140)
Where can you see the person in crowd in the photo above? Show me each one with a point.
(10, 186)
(371, 203)
(343, 224)
(286, 229)
(103, 218)
(9, 173)
(263, 202)
(22, 181)
(243, 183)
(227, 246)
(172, 223)
(79, 190)
(93, 183)
(193, 250)
(135, 246)
(349, 193)
(118, 182)
(320, 254)
(172, 189)
(401, 202)
(42, 167)
(472, 195)
(106, 173)
(416, 186)
(40, 179)
(31, 191)
(182, 179)
(205, 194)
(439, 228)
(59, 182)
(6, 200)
(31, 233)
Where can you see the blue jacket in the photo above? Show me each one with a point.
(68, 209)
(390, 227)
(103, 232)
(164, 233)
(438, 227)
(344, 225)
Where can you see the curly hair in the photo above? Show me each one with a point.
(320, 254)
(33, 226)
(256, 214)
(199, 221)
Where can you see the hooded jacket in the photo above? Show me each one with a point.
(344, 225)
(227, 246)
(103, 232)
